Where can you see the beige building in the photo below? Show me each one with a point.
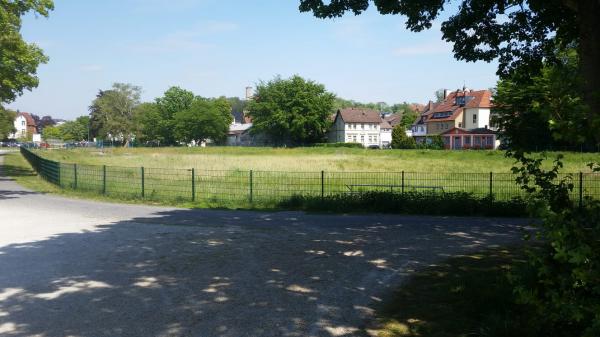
(354, 125)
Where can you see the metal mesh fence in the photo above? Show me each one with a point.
(236, 185)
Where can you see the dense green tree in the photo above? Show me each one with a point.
(76, 130)
(174, 100)
(111, 112)
(7, 122)
(521, 35)
(400, 140)
(18, 59)
(51, 132)
(291, 111)
(544, 111)
(204, 120)
(149, 123)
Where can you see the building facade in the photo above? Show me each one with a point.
(354, 125)
(24, 126)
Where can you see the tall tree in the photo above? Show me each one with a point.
(77, 130)
(520, 34)
(7, 122)
(544, 111)
(18, 59)
(203, 120)
(291, 111)
(174, 100)
(111, 113)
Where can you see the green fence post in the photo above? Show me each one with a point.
(143, 182)
(251, 183)
(491, 185)
(75, 176)
(103, 179)
(193, 185)
(580, 189)
(322, 185)
(58, 173)
(402, 182)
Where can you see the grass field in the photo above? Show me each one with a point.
(270, 175)
(306, 159)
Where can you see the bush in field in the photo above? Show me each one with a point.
(348, 145)
(563, 278)
(400, 140)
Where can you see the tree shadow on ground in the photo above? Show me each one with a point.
(226, 273)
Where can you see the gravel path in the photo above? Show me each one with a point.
(82, 268)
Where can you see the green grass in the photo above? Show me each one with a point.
(305, 159)
(461, 297)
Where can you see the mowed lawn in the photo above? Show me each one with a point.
(307, 159)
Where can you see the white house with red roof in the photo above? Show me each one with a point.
(354, 125)
(24, 126)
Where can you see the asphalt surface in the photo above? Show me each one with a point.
(83, 268)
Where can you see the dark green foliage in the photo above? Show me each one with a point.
(347, 145)
(563, 279)
(7, 120)
(111, 113)
(291, 111)
(434, 142)
(76, 130)
(203, 120)
(458, 203)
(18, 59)
(400, 140)
(545, 111)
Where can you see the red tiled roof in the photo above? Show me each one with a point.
(393, 119)
(385, 125)
(480, 99)
(480, 131)
(354, 115)
(30, 121)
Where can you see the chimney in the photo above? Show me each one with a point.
(249, 93)
(446, 93)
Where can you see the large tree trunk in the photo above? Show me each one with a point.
(589, 53)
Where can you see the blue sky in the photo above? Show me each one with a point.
(218, 47)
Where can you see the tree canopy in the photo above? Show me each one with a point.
(18, 59)
(205, 119)
(7, 122)
(111, 112)
(521, 35)
(291, 111)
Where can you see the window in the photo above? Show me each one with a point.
(23, 123)
(474, 118)
(460, 125)
(467, 140)
(362, 138)
(375, 139)
(354, 138)
(370, 139)
(362, 126)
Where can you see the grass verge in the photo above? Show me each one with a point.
(463, 296)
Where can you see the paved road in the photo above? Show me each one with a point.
(83, 268)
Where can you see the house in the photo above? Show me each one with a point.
(354, 125)
(385, 134)
(419, 127)
(393, 119)
(480, 138)
(465, 112)
(24, 126)
(239, 134)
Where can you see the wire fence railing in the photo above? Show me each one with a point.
(256, 186)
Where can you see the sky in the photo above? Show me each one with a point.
(219, 47)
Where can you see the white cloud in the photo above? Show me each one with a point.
(427, 48)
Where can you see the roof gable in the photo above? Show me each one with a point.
(353, 115)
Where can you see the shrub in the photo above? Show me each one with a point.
(348, 145)
(563, 279)
(456, 203)
(400, 140)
